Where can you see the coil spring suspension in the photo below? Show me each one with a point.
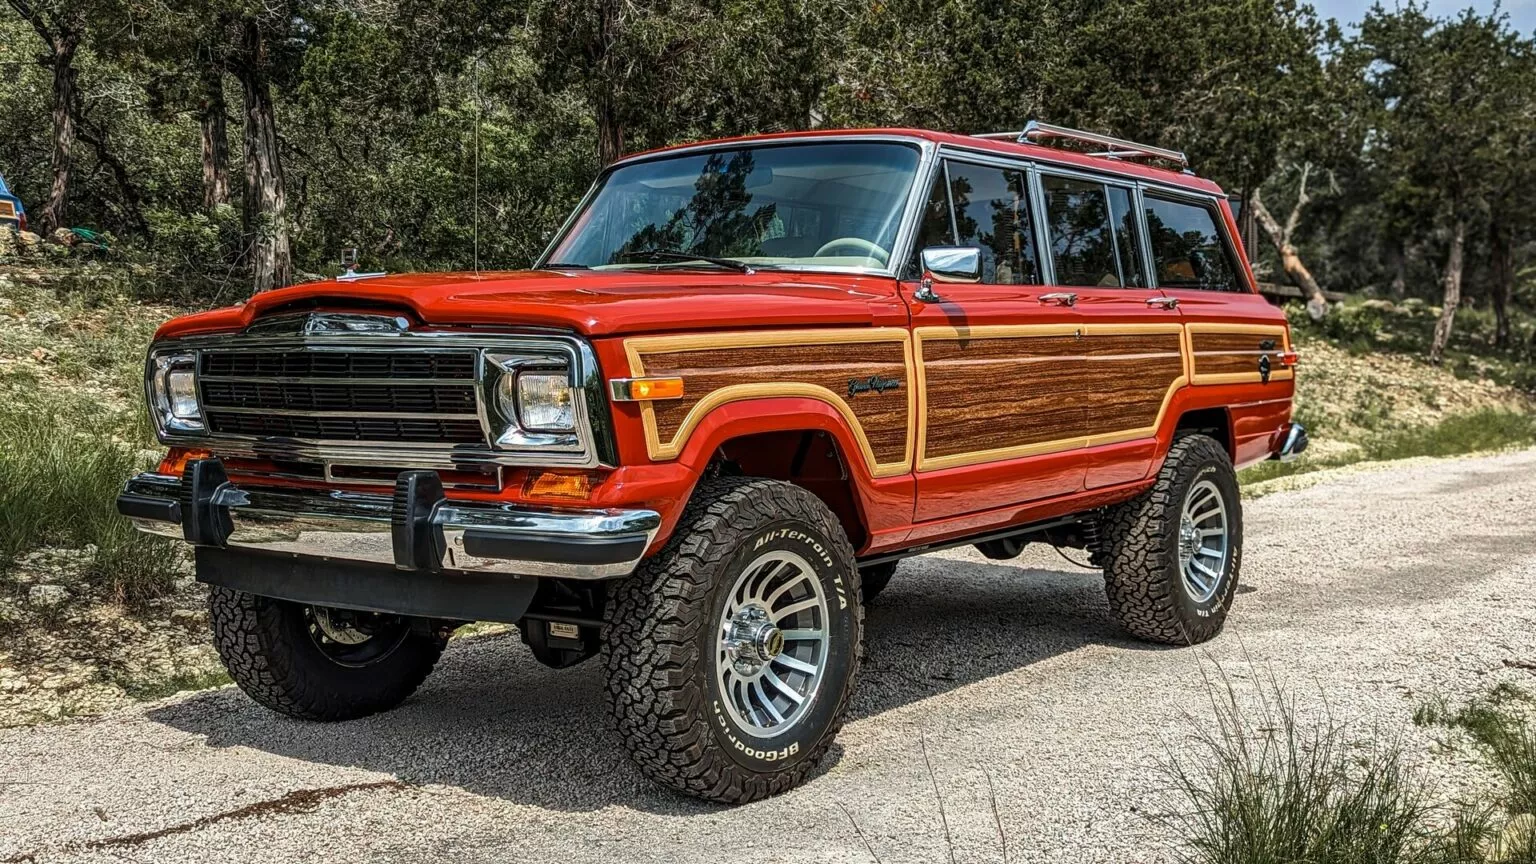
(1091, 539)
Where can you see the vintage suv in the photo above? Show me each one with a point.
(746, 378)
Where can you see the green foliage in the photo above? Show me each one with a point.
(1260, 787)
(58, 483)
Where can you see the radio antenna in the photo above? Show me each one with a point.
(475, 198)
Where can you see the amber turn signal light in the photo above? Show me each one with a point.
(175, 462)
(644, 389)
(554, 484)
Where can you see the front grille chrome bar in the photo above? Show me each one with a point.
(499, 440)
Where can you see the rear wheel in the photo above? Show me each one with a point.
(317, 663)
(1172, 554)
(731, 653)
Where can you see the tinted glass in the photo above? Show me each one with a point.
(933, 227)
(1126, 241)
(809, 204)
(1082, 241)
(992, 214)
(1187, 248)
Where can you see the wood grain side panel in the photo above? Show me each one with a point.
(1011, 393)
(719, 368)
(883, 416)
(1230, 355)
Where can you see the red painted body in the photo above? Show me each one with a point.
(895, 512)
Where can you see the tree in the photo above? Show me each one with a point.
(60, 24)
(1448, 88)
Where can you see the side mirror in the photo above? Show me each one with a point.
(952, 263)
(947, 264)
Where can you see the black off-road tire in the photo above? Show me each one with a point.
(661, 641)
(874, 578)
(1141, 549)
(267, 648)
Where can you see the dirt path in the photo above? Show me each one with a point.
(1363, 594)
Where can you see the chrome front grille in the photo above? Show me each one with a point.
(351, 394)
(383, 401)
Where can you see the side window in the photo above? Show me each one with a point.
(1093, 235)
(1187, 248)
(992, 214)
(1123, 216)
(933, 228)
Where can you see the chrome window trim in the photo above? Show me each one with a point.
(905, 230)
(593, 443)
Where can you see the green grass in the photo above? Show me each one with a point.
(1260, 787)
(1265, 789)
(1473, 432)
(59, 478)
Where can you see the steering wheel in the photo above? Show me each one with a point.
(859, 246)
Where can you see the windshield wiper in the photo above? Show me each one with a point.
(566, 267)
(656, 256)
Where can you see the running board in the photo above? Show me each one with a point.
(971, 540)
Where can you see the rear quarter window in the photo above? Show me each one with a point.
(1188, 249)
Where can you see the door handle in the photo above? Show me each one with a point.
(1060, 298)
(1163, 302)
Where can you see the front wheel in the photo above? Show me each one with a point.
(317, 663)
(731, 653)
(1172, 554)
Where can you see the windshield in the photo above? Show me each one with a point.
(803, 205)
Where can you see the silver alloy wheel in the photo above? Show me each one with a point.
(773, 643)
(1203, 542)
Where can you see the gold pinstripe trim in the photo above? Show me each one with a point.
(1018, 331)
(635, 350)
(1196, 377)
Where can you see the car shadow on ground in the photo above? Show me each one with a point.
(493, 721)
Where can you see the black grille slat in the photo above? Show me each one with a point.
(347, 428)
(444, 365)
(363, 394)
(341, 398)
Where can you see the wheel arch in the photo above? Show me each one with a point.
(799, 440)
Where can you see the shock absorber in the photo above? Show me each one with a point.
(1091, 539)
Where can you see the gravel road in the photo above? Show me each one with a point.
(1362, 595)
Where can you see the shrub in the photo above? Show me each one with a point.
(1271, 791)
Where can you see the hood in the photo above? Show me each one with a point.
(588, 302)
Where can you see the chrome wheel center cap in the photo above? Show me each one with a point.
(1189, 540)
(752, 640)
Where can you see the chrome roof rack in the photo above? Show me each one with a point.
(1036, 132)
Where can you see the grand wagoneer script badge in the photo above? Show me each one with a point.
(872, 384)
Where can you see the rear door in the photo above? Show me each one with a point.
(1131, 353)
(1235, 336)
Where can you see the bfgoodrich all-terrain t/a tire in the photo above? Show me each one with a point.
(731, 653)
(318, 664)
(1172, 554)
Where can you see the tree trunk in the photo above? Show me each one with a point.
(610, 134)
(1290, 260)
(213, 124)
(266, 209)
(53, 216)
(1502, 283)
(131, 201)
(1451, 283)
(1397, 263)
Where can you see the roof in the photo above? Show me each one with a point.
(1033, 152)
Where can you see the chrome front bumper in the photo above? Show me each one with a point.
(407, 531)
